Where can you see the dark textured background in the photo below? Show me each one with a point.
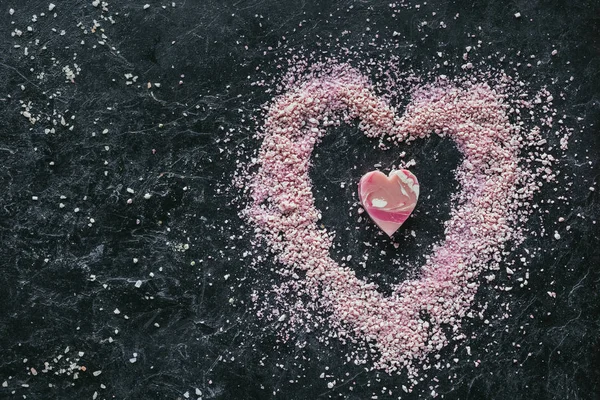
(63, 276)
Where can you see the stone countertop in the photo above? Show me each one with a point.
(123, 258)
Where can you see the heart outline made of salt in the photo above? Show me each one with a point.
(282, 206)
(389, 200)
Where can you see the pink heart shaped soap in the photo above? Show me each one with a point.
(389, 200)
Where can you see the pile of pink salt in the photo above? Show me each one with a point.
(283, 211)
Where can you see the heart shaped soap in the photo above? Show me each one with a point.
(389, 200)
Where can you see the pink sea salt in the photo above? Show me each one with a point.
(406, 326)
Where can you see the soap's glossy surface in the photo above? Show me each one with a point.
(389, 200)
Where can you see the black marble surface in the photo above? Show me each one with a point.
(70, 267)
